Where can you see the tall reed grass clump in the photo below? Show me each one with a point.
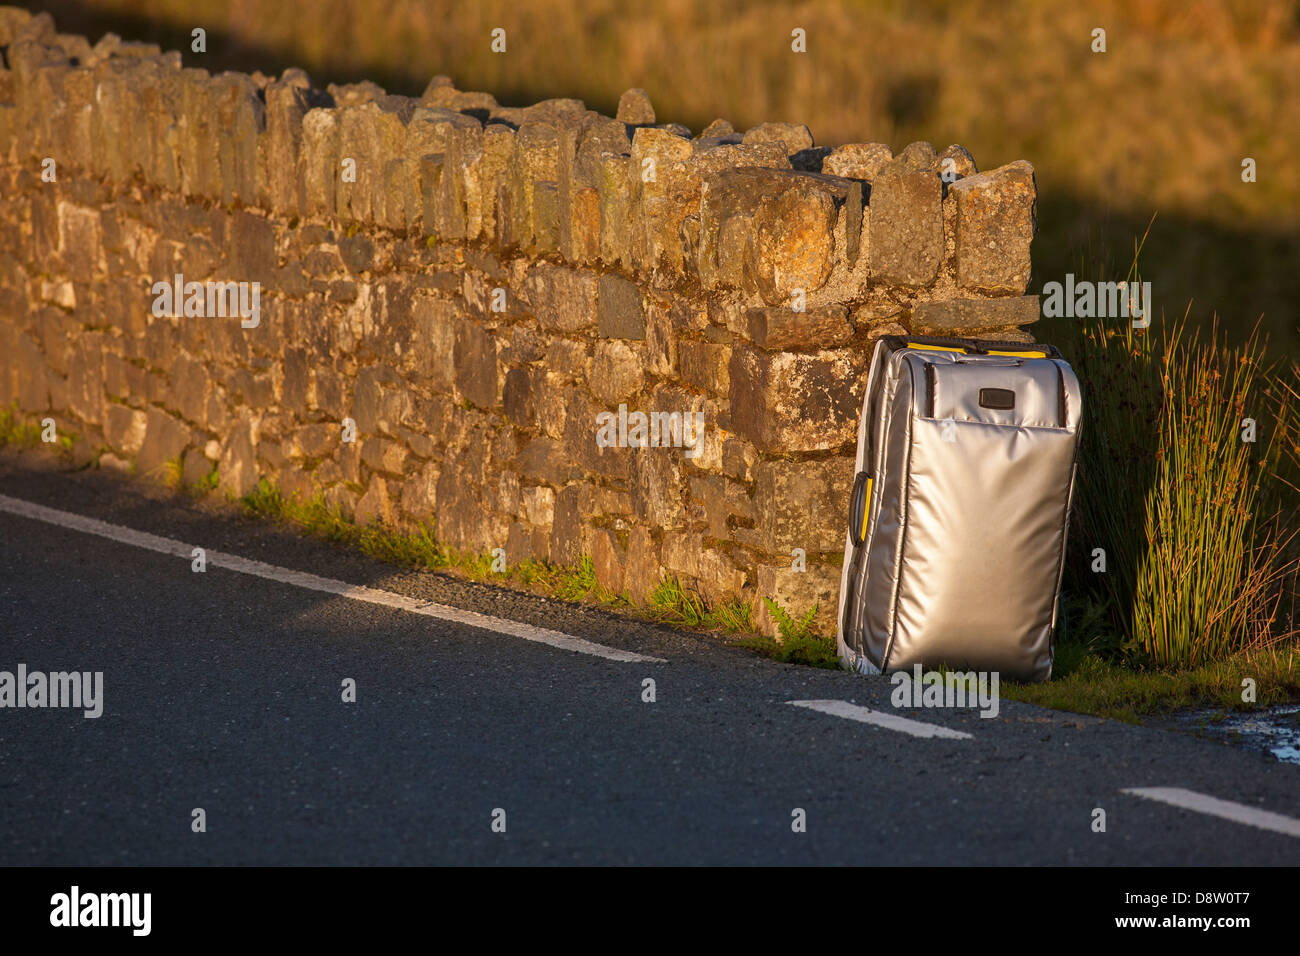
(1187, 483)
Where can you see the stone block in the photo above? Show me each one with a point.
(709, 570)
(801, 504)
(906, 224)
(616, 372)
(656, 486)
(706, 365)
(318, 162)
(635, 109)
(995, 226)
(974, 315)
(165, 440)
(857, 160)
(478, 370)
(562, 299)
(786, 402)
(797, 593)
(779, 328)
(125, 429)
(620, 312)
(794, 137)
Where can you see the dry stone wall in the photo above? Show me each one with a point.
(477, 290)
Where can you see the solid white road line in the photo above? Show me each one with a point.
(842, 708)
(1224, 809)
(302, 579)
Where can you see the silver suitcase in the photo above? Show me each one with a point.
(960, 507)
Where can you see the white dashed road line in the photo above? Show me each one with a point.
(917, 728)
(1224, 809)
(312, 582)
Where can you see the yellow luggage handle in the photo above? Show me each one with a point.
(964, 351)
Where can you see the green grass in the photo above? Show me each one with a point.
(579, 584)
(1196, 524)
(19, 432)
(173, 469)
(735, 616)
(674, 603)
(1088, 683)
(799, 644)
(678, 605)
(671, 602)
(16, 431)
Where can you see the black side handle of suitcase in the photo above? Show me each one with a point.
(858, 503)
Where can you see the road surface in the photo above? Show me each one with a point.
(223, 691)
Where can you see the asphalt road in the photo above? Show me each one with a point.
(222, 691)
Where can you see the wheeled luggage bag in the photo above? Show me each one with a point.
(960, 507)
